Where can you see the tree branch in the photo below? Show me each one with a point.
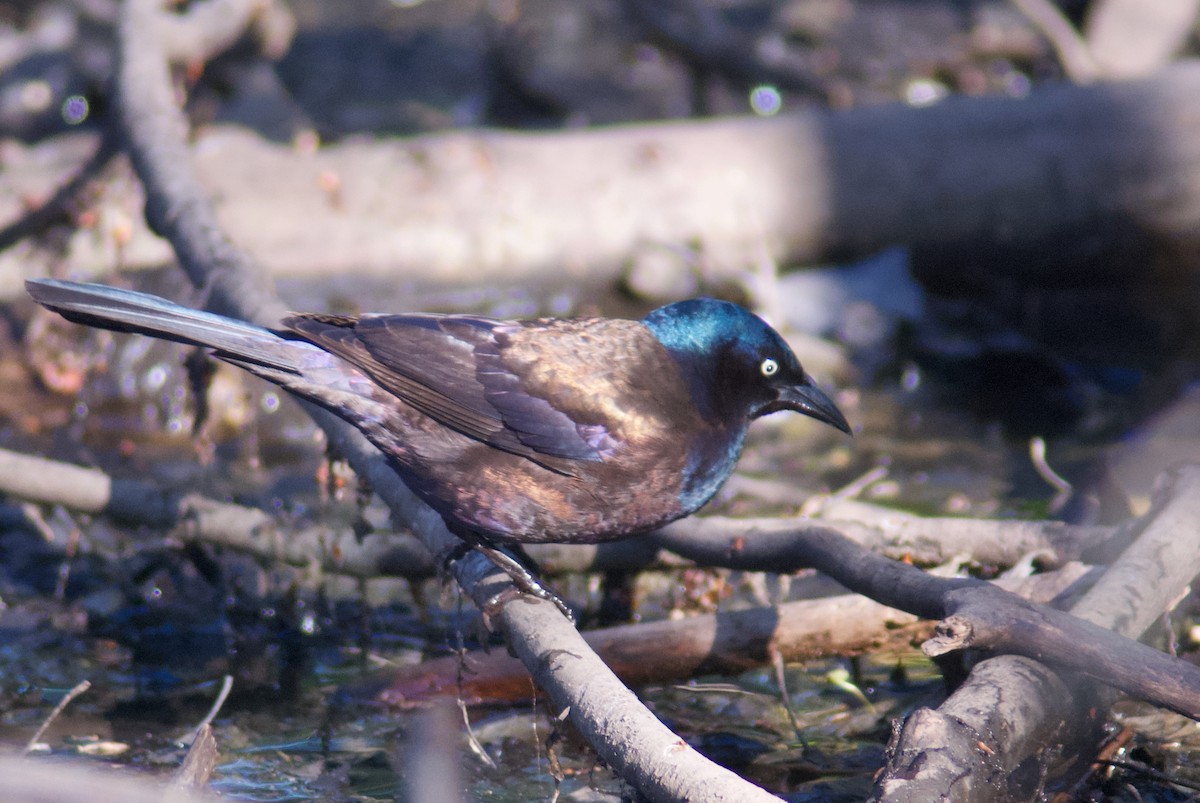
(1057, 638)
(936, 753)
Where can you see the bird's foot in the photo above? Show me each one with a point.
(492, 607)
(522, 578)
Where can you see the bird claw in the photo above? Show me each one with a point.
(496, 603)
(524, 582)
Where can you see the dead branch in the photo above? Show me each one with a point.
(667, 651)
(59, 206)
(1027, 699)
(79, 688)
(1134, 38)
(207, 29)
(191, 517)
(1056, 638)
(1109, 161)
(1073, 53)
(176, 208)
(925, 541)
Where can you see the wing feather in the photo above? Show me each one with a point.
(451, 368)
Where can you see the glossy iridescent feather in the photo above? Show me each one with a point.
(571, 430)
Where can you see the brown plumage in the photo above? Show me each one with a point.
(579, 430)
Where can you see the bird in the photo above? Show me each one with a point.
(567, 430)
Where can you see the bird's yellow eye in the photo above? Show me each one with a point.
(769, 367)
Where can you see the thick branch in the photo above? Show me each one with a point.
(1028, 699)
(176, 207)
(1103, 161)
(1056, 638)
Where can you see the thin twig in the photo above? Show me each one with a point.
(1062, 488)
(777, 664)
(472, 740)
(222, 695)
(79, 689)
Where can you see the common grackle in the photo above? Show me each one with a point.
(567, 430)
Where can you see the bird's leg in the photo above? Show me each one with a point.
(524, 579)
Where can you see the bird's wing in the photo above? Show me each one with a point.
(535, 415)
(450, 367)
(611, 378)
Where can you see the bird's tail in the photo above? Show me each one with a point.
(128, 311)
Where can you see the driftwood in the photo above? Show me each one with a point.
(1112, 161)
(1106, 159)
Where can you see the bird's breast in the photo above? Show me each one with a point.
(710, 460)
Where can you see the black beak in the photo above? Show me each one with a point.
(808, 399)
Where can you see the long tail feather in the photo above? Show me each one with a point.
(128, 311)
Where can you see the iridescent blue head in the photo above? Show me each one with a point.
(737, 367)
